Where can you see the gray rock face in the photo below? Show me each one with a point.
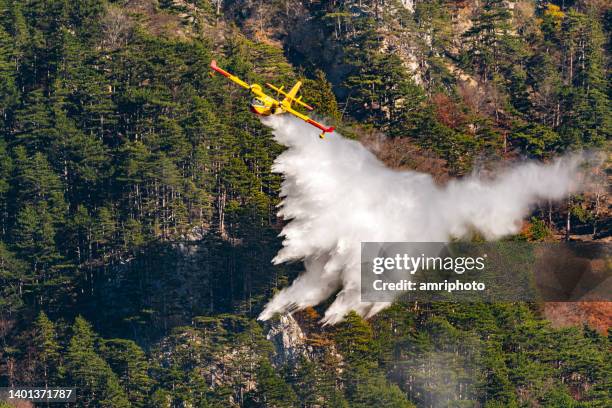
(409, 4)
(288, 339)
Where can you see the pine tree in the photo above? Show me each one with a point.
(272, 390)
(79, 234)
(536, 140)
(6, 171)
(497, 388)
(34, 237)
(81, 160)
(587, 120)
(129, 362)
(35, 183)
(98, 385)
(365, 385)
(33, 123)
(489, 38)
(305, 384)
(13, 278)
(558, 397)
(544, 78)
(318, 93)
(374, 391)
(104, 231)
(354, 339)
(434, 27)
(47, 350)
(132, 234)
(85, 16)
(8, 89)
(89, 99)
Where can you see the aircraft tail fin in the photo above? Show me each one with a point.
(290, 96)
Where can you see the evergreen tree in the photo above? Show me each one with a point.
(490, 42)
(47, 350)
(536, 140)
(85, 16)
(272, 390)
(13, 278)
(34, 237)
(6, 171)
(8, 89)
(587, 107)
(97, 383)
(130, 364)
(318, 93)
(434, 26)
(497, 389)
(104, 231)
(33, 123)
(354, 339)
(305, 384)
(375, 391)
(86, 91)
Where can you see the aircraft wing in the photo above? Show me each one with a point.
(233, 78)
(255, 88)
(309, 120)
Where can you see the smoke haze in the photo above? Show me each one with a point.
(336, 194)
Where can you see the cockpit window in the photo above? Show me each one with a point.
(257, 102)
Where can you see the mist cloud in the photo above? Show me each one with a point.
(336, 194)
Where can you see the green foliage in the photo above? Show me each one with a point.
(272, 391)
(98, 384)
(354, 337)
(538, 230)
(318, 93)
(381, 92)
(34, 236)
(13, 277)
(47, 349)
(379, 393)
(536, 140)
(435, 20)
(315, 383)
(491, 46)
(8, 89)
(130, 364)
(497, 386)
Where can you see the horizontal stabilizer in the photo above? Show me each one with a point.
(290, 97)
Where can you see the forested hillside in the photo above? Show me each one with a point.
(138, 207)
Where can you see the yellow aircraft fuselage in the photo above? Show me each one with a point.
(263, 105)
(261, 110)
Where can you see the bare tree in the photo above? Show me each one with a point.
(117, 28)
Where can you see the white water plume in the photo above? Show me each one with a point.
(336, 194)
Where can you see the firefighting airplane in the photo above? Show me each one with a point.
(265, 105)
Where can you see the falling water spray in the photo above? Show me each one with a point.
(337, 194)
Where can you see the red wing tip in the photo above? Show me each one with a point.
(320, 126)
